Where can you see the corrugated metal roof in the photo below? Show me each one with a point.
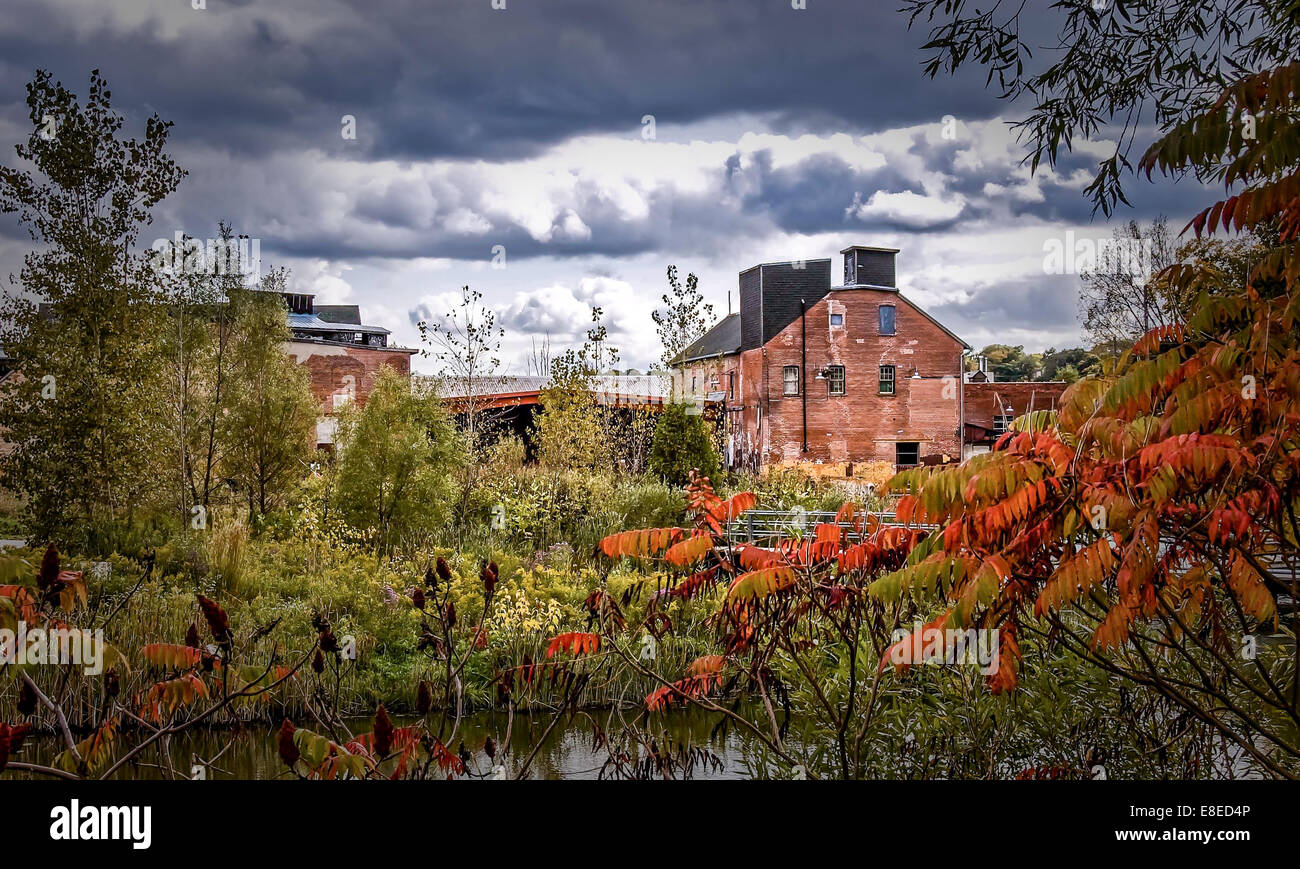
(312, 323)
(647, 385)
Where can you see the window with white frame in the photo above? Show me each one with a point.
(835, 379)
(886, 380)
(790, 376)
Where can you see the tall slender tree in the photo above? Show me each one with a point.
(685, 317)
(268, 425)
(83, 319)
(466, 341)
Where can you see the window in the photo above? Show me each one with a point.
(907, 453)
(731, 384)
(835, 379)
(886, 380)
(791, 376)
(695, 384)
(1001, 422)
(887, 320)
(837, 320)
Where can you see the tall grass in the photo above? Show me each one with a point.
(227, 546)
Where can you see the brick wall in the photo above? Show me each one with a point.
(340, 373)
(985, 400)
(862, 424)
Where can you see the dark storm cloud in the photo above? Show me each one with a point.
(814, 194)
(438, 79)
(1045, 304)
(466, 120)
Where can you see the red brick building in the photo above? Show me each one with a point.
(990, 408)
(342, 355)
(807, 371)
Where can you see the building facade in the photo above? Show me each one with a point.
(991, 406)
(811, 371)
(342, 355)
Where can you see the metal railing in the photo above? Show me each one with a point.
(759, 525)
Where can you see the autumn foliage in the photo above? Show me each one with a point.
(1155, 504)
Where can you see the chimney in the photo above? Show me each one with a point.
(869, 266)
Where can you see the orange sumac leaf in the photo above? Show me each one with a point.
(170, 656)
(734, 506)
(167, 696)
(922, 642)
(1005, 675)
(1249, 588)
(642, 543)
(756, 557)
(575, 643)
(694, 686)
(1076, 575)
(706, 664)
(758, 584)
(686, 552)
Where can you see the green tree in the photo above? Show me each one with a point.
(268, 425)
(1069, 364)
(83, 419)
(396, 460)
(570, 433)
(682, 443)
(195, 347)
(1009, 363)
(685, 318)
(571, 430)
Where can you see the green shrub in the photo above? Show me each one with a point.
(681, 443)
(395, 457)
(649, 503)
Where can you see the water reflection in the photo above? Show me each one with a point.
(569, 751)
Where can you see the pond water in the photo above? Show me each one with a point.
(568, 752)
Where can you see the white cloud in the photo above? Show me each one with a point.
(913, 209)
(324, 279)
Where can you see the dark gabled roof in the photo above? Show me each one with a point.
(349, 314)
(722, 339)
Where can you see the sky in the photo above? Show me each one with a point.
(560, 154)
